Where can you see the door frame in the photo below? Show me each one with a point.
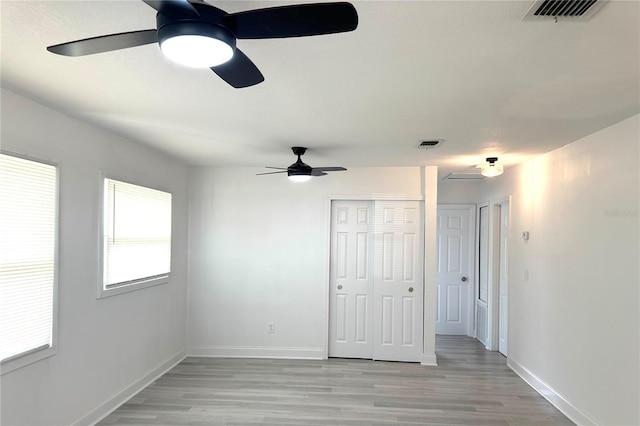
(476, 282)
(472, 262)
(493, 269)
(327, 279)
(495, 221)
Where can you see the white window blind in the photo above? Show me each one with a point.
(137, 234)
(28, 197)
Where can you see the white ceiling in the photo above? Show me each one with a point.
(469, 72)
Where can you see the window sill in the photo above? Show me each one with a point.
(102, 293)
(28, 358)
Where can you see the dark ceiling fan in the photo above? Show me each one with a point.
(300, 171)
(196, 34)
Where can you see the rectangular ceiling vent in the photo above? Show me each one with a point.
(571, 10)
(463, 176)
(430, 144)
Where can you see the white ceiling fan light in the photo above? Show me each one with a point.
(196, 51)
(491, 168)
(196, 44)
(299, 178)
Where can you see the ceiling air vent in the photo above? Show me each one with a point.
(430, 144)
(572, 10)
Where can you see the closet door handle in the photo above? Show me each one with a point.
(340, 287)
(410, 289)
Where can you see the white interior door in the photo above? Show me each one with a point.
(398, 283)
(503, 289)
(453, 281)
(351, 282)
(376, 283)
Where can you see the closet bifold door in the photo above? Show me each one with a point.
(376, 284)
(398, 281)
(351, 280)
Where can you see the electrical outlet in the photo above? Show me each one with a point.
(271, 327)
(526, 274)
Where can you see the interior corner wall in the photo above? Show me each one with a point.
(574, 325)
(104, 346)
(259, 254)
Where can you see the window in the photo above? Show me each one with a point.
(28, 217)
(136, 237)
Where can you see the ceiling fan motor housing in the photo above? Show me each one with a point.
(210, 23)
(299, 168)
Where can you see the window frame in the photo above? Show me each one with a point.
(103, 292)
(37, 354)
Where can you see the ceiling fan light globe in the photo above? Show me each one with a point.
(299, 178)
(196, 51)
(195, 44)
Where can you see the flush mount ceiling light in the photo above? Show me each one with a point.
(491, 168)
(196, 44)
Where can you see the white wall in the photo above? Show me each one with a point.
(574, 325)
(259, 253)
(460, 192)
(104, 345)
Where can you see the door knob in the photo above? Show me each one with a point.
(410, 289)
(340, 287)
(464, 279)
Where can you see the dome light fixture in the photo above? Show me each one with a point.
(491, 168)
(299, 178)
(299, 172)
(196, 44)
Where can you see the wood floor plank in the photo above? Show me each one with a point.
(470, 386)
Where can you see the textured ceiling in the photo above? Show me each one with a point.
(469, 72)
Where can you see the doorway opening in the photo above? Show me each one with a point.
(492, 289)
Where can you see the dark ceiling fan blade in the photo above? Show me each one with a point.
(294, 21)
(329, 169)
(270, 173)
(105, 43)
(173, 7)
(316, 172)
(239, 71)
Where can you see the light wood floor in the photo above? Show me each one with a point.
(470, 386)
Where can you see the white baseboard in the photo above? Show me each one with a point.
(557, 400)
(123, 395)
(256, 352)
(429, 359)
